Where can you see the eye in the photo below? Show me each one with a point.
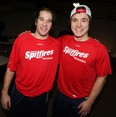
(74, 20)
(84, 20)
(49, 21)
(40, 18)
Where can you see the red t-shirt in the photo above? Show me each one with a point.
(35, 62)
(80, 64)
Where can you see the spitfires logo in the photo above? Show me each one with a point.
(39, 54)
(76, 54)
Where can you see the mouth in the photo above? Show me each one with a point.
(43, 29)
(78, 29)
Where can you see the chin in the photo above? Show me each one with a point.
(44, 34)
(78, 36)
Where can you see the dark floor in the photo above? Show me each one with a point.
(105, 103)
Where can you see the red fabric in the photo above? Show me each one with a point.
(35, 62)
(80, 64)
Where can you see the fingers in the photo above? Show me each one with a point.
(84, 114)
(23, 33)
(6, 105)
(5, 101)
(9, 105)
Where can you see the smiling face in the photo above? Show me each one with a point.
(43, 24)
(80, 26)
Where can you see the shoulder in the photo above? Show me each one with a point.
(97, 44)
(21, 38)
(100, 48)
(54, 40)
(65, 38)
(24, 34)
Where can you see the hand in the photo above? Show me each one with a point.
(5, 101)
(23, 33)
(85, 108)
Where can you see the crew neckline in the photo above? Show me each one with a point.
(89, 38)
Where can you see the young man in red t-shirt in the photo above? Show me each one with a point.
(84, 66)
(34, 58)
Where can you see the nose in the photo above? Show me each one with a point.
(78, 23)
(44, 23)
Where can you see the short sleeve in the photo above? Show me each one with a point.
(102, 63)
(14, 56)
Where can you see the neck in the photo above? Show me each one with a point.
(81, 38)
(38, 36)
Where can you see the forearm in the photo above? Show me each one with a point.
(7, 80)
(97, 87)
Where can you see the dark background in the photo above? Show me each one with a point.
(17, 16)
